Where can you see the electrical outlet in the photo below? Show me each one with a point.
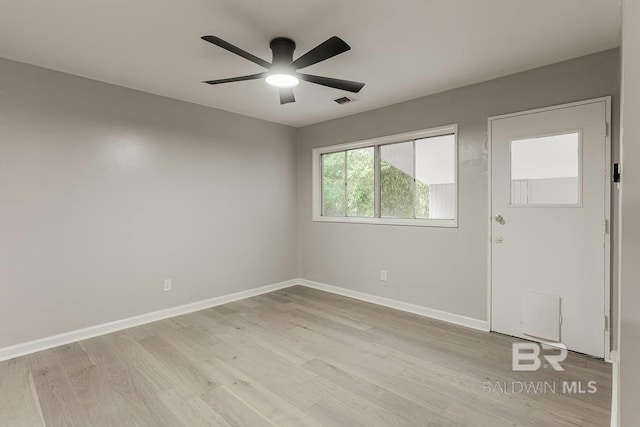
(167, 285)
(383, 275)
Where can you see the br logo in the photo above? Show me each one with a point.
(528, 356)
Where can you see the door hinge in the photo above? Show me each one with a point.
(606, 129)
(606, 323)
(606, 226)
(616, 172)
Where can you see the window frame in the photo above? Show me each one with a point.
(317, 193)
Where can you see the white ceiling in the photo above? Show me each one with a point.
(401, 49)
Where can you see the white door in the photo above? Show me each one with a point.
(549, 250)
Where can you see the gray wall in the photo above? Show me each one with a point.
(106, 191)
(440, 268)
(630, 255)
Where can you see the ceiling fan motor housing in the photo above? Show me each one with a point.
(282, 49)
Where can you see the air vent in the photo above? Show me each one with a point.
(343, 100)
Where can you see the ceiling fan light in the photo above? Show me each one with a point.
(282, 80)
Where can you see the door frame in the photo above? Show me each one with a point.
(607, 209)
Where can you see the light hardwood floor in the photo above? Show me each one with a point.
(295, 357)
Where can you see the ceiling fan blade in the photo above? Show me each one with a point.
(328, 49)
(234, 49)
(334, 83)
(236, 79)
(286, 96)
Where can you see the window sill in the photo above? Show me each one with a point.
(442, 223)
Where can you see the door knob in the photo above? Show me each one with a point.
(499, 219)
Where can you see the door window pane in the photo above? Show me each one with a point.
(333, 191)
(546, 170)
(396, 180)
(361, 182)
(436, 177)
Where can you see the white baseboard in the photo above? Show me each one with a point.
(456, 319)
(118, 325)
(615, 389)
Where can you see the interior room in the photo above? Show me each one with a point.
(322, 213)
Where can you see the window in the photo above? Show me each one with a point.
(546, 170)
(348, 183)
(397, 180)
(407, 179)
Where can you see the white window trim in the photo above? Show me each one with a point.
(425, 133)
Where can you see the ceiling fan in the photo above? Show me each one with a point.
(282, 71)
